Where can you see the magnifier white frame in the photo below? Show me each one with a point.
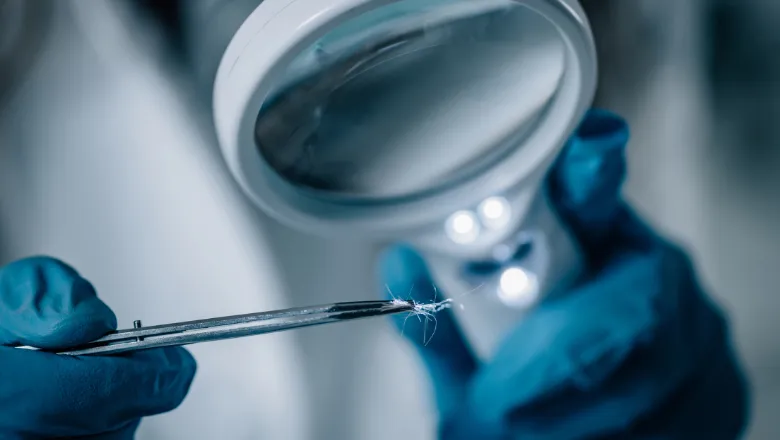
(278, 30)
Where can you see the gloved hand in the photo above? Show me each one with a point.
(635, 351)
(46, 304)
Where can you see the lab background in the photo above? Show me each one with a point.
(108, 160)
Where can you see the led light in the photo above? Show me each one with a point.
(502, 252)
(518, 288)
(495, 212)
(462, 227)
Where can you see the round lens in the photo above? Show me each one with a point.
(410, 98)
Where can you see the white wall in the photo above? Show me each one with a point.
(101, 166)
(687, 173)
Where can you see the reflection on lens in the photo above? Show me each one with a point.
(410, 97)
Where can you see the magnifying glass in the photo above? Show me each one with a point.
(432, 122)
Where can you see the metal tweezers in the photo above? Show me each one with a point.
(215, 329)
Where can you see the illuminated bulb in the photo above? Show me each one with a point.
(518, 288)
(493, 208)
(462, 227)
(502, 252)
(463, 224)
(495, 212)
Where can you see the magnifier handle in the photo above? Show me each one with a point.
(556, 259)
(553, 262)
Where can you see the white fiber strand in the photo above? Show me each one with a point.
(426, 313)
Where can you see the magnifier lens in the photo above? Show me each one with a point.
(410, 98)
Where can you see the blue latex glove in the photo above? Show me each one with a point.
(46, 304)
(636, 351)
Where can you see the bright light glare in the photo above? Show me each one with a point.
(462, 227)
(495, 212)
(463, 223)
(493, 208)
(518, 288)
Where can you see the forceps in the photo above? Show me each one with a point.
(215, 329)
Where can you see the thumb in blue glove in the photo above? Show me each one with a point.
(46, 304)
(636, 351)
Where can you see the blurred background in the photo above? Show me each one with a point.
(108, 161)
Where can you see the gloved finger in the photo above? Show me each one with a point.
(586, 181)
(47, 304)
(448, 358)
(127, 432)
(604, 356)
(55, 396)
